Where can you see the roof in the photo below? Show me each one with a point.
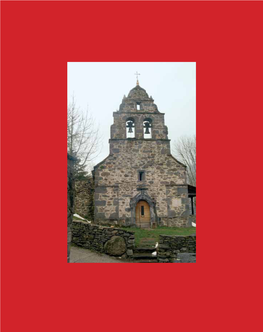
(138, 93)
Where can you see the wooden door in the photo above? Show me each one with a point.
(143, 215)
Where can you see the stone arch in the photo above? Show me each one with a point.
(130, 128)
(142, 196)
(147, 128)
(148, 119)
(130, 119)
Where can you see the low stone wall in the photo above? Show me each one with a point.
(171, 245)
(109, 240)
(174, 222)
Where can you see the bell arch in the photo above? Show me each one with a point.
(130, 128)
(147, 128)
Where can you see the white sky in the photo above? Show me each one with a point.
(99, 88)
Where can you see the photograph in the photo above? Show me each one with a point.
(131, 145)
(102, 104)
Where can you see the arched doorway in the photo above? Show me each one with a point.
(143, 215)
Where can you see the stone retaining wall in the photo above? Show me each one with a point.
(175, 222)
(171, 245)
(109, 240)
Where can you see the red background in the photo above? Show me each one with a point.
(222, 291)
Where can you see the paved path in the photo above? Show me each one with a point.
(80, 255)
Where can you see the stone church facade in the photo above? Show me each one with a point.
(140, 183)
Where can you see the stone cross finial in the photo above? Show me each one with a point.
(137, 74)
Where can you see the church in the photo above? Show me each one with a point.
(140, 183)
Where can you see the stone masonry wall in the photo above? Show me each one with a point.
(118, 129)
(83, 204)
(103, 239)
(116, 183)
(192, 218)
(171, 245)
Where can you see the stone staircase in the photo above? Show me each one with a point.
(144, 255)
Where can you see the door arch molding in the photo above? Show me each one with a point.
(142, 197)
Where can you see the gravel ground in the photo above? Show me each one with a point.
(186, 258)
(80, 255)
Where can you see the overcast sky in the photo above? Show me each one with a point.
(100, 86)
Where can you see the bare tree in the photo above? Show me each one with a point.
(82, 136)
(184, 150)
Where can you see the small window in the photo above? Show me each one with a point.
(138, 106)
(141, 176)
(142, 210)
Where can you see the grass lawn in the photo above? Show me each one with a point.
(148, 237)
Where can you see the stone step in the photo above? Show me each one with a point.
(143, 255)
(145, 226)
(146, 261)
(144, 250)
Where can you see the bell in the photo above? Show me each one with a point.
(130, 130)
(147, 130)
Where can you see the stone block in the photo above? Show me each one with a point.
(100, 216)
(100, 203)
(171, 214)
(115, 201)
(101, 190)
(105, 174)
(129, 252)
(181, 190)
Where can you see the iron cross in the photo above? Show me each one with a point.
(137, 74)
